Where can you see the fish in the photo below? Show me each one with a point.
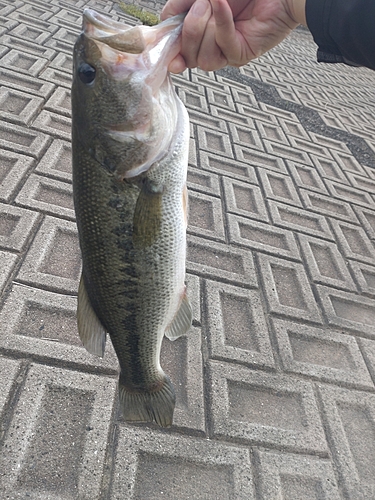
(130, 139)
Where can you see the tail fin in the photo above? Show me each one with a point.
(153, 406)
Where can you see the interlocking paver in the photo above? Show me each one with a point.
(275, 379)
(325, 355)
(236, 325)
(287, 475)
(255, 407)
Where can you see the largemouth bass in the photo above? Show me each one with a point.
(130, 138)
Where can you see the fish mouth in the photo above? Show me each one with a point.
(131, 39)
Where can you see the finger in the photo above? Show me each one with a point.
(210, 56)
(193, 31)
(226, 35)
(178, 65)
(174, 7)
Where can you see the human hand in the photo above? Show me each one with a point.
(217, 33)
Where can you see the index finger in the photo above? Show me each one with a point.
(174, 7)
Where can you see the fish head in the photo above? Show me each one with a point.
(124, 108)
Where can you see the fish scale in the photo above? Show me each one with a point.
(131, 217)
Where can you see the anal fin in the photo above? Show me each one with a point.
(90, 329)
(182, 320)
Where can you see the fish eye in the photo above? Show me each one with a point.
(86, 73)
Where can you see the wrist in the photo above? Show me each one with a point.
(297, 10)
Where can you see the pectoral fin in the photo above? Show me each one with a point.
(182, 320)
(90, 329)
(147, 216)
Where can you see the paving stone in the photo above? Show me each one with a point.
(272, 132)
(350, 194)
(244, 199)
(292, 128)
(24, 63)
(57, 161)
(349, 417)
(25, 83)
(226, 166)
(25, 45)
(360, 182)
(47, 195)
(287, 289)
(236, 326)
(310, 147)
(368, 351)
(6, 24)
(273, 409)
(231, 117)
(321, 354)
(354, 242)
(57, 77)
(329, 142)
(205, 216)
(219, 262)
(59, 102)
(54, 258)
(66, 36)
(279, 187)
(329, 169)
(325, 263)
(326, 205)
(193, 288)
(21, 140)
(43, 324)
(182, 361)
(364, 275)
(40, 13)
(54, 124)
(193, 100)
(287, 152)
(256, 114)
(258, 159)
(348, 311)
(306, 177)
(262, 237)
(245, 96)
(221, 99)
(69, 458)
(7, 264)
(203, 182)
(295, 477)
(31, 33)
(348, 162)
(299, 220)
(34, 21)
(155, 465)
(205, 121)
(18, 107)
(367, 219)
(9, 369)
(16, 225)
(245, 136)
(217, 142)
(13, 168)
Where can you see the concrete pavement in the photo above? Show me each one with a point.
(275, 380)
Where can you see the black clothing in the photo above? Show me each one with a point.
(344, 30)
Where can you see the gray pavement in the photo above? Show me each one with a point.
(275, 380)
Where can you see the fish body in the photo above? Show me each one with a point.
(130, 136)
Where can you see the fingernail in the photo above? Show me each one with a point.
(199, 8)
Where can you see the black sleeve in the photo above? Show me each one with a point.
(344, 30)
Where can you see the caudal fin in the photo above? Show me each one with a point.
(156, 406)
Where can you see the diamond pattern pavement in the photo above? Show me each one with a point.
(275, 380)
